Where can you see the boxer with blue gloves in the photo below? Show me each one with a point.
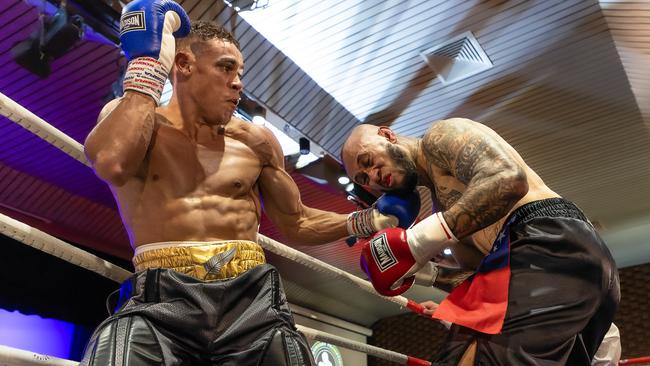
(546, 289)
(147, 35)
(191, 181)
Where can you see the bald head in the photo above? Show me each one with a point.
(373, 157)
(359, 136)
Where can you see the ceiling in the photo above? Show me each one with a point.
(569, 89)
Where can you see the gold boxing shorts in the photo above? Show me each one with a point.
(206, 261)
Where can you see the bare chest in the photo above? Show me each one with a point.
(225, 167)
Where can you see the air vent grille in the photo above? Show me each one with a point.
(457, 59)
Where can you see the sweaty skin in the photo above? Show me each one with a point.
(189, 171)
(475, 177)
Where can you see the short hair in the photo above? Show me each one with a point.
(204, 31)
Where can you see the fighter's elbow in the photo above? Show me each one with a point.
(110, 170)
(516, 181)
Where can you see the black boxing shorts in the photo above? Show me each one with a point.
(169, 318)
(545, 295)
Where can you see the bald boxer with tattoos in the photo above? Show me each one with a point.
(546, 289)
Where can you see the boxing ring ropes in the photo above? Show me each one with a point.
(46, 243)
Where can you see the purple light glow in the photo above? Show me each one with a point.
(33, 333)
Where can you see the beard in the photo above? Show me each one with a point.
(406, 165)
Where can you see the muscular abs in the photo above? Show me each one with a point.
(193, 191)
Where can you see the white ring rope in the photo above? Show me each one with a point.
(60, 249)
(42, 129)
(318, 265)
(10, 356)
(391, 356)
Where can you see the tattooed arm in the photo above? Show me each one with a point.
(479, 158)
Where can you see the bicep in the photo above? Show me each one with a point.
(108, 108)
(92, 139)
(105, 112)
(279, 191)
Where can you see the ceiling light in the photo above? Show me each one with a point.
(304, 145)
(55, 36)
(259, 120)
(447, 251)
(344, 180)
(349, 187)
(246, 5)
(304, 160)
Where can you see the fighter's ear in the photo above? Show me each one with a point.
(387, 133)
(183, 62)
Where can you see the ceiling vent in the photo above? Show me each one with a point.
(457, 59)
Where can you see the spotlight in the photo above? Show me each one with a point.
(356, 201)
(259, 120)
(250, 108)
(447, 251)
(344, 180)
(304, 145)
(259, 111)
(349, 187)
(55, 36)
(246, 5)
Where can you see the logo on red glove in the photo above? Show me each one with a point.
(382, 253)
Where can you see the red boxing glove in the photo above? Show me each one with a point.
(393, 256)
(387, 259)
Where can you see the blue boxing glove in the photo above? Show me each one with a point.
(390, 210)
(147, 31)
(404, 206)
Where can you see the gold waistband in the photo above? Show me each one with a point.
(198, 259)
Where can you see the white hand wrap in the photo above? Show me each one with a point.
(147, 75)
(366, 222)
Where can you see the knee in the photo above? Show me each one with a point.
(469, 356)
(124, 341)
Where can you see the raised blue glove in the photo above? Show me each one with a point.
(404, 206)
(147, 30)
